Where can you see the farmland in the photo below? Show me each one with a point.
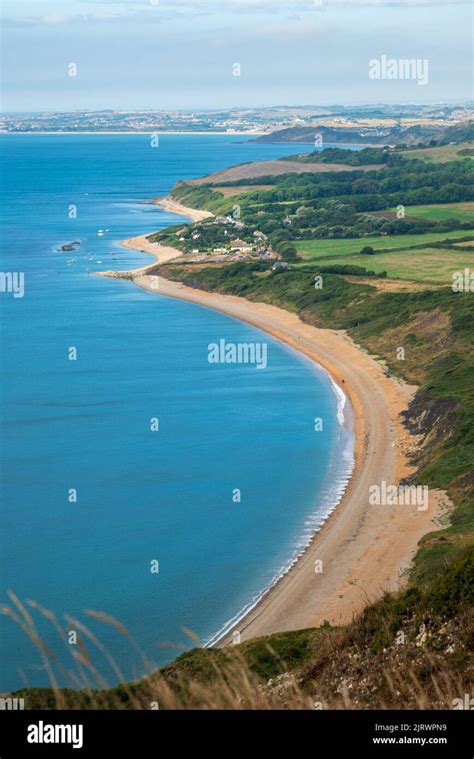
(410, 257)
(461, 211)
(441, 154)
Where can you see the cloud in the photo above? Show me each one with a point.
(282, 30)
(241, 6)
(61, 19)
(88, 11)
(396, 3)
(275, 6)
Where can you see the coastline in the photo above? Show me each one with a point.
(149, 132)
(364, 549)
(161, 253)
(174, 206)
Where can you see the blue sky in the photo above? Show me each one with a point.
(177, 54)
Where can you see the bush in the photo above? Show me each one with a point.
(287, 250)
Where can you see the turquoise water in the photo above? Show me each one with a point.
(85, 424)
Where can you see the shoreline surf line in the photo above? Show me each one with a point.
(316, 519)
(364, 549)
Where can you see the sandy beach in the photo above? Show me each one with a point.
(364, 549)
(174, 206)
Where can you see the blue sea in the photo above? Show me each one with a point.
(90, 496)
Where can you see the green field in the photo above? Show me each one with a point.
(441, 154)
(425, 264)
(432, 265)
(461, 211)
(317, 249)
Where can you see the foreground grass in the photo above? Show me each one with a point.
(409, 650)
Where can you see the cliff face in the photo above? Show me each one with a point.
(306, 135)
(412, 135)
(432, 418)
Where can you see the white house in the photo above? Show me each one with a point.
(241, 246)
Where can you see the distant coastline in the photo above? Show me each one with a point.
(150, 131)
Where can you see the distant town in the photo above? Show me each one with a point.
(240, 120)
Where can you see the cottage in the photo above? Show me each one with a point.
(241, 246)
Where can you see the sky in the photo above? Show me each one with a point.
(181, 54)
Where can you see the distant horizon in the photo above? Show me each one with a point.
(204, 109)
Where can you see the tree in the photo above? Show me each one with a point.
(287, 250)
(367, 250)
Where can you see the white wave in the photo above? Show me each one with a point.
(331, 495)
(341, 400)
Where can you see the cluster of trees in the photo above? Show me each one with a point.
(364, 157)
(338, 218)
(368, 224)
(283, 246)
(412, 182)
(343, 204)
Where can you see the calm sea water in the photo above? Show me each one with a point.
(85, 424)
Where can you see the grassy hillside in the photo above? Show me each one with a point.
(315, 249)
(372, 134)
(426, 265)
(442, 154)
(407, 651)
(461, 211)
